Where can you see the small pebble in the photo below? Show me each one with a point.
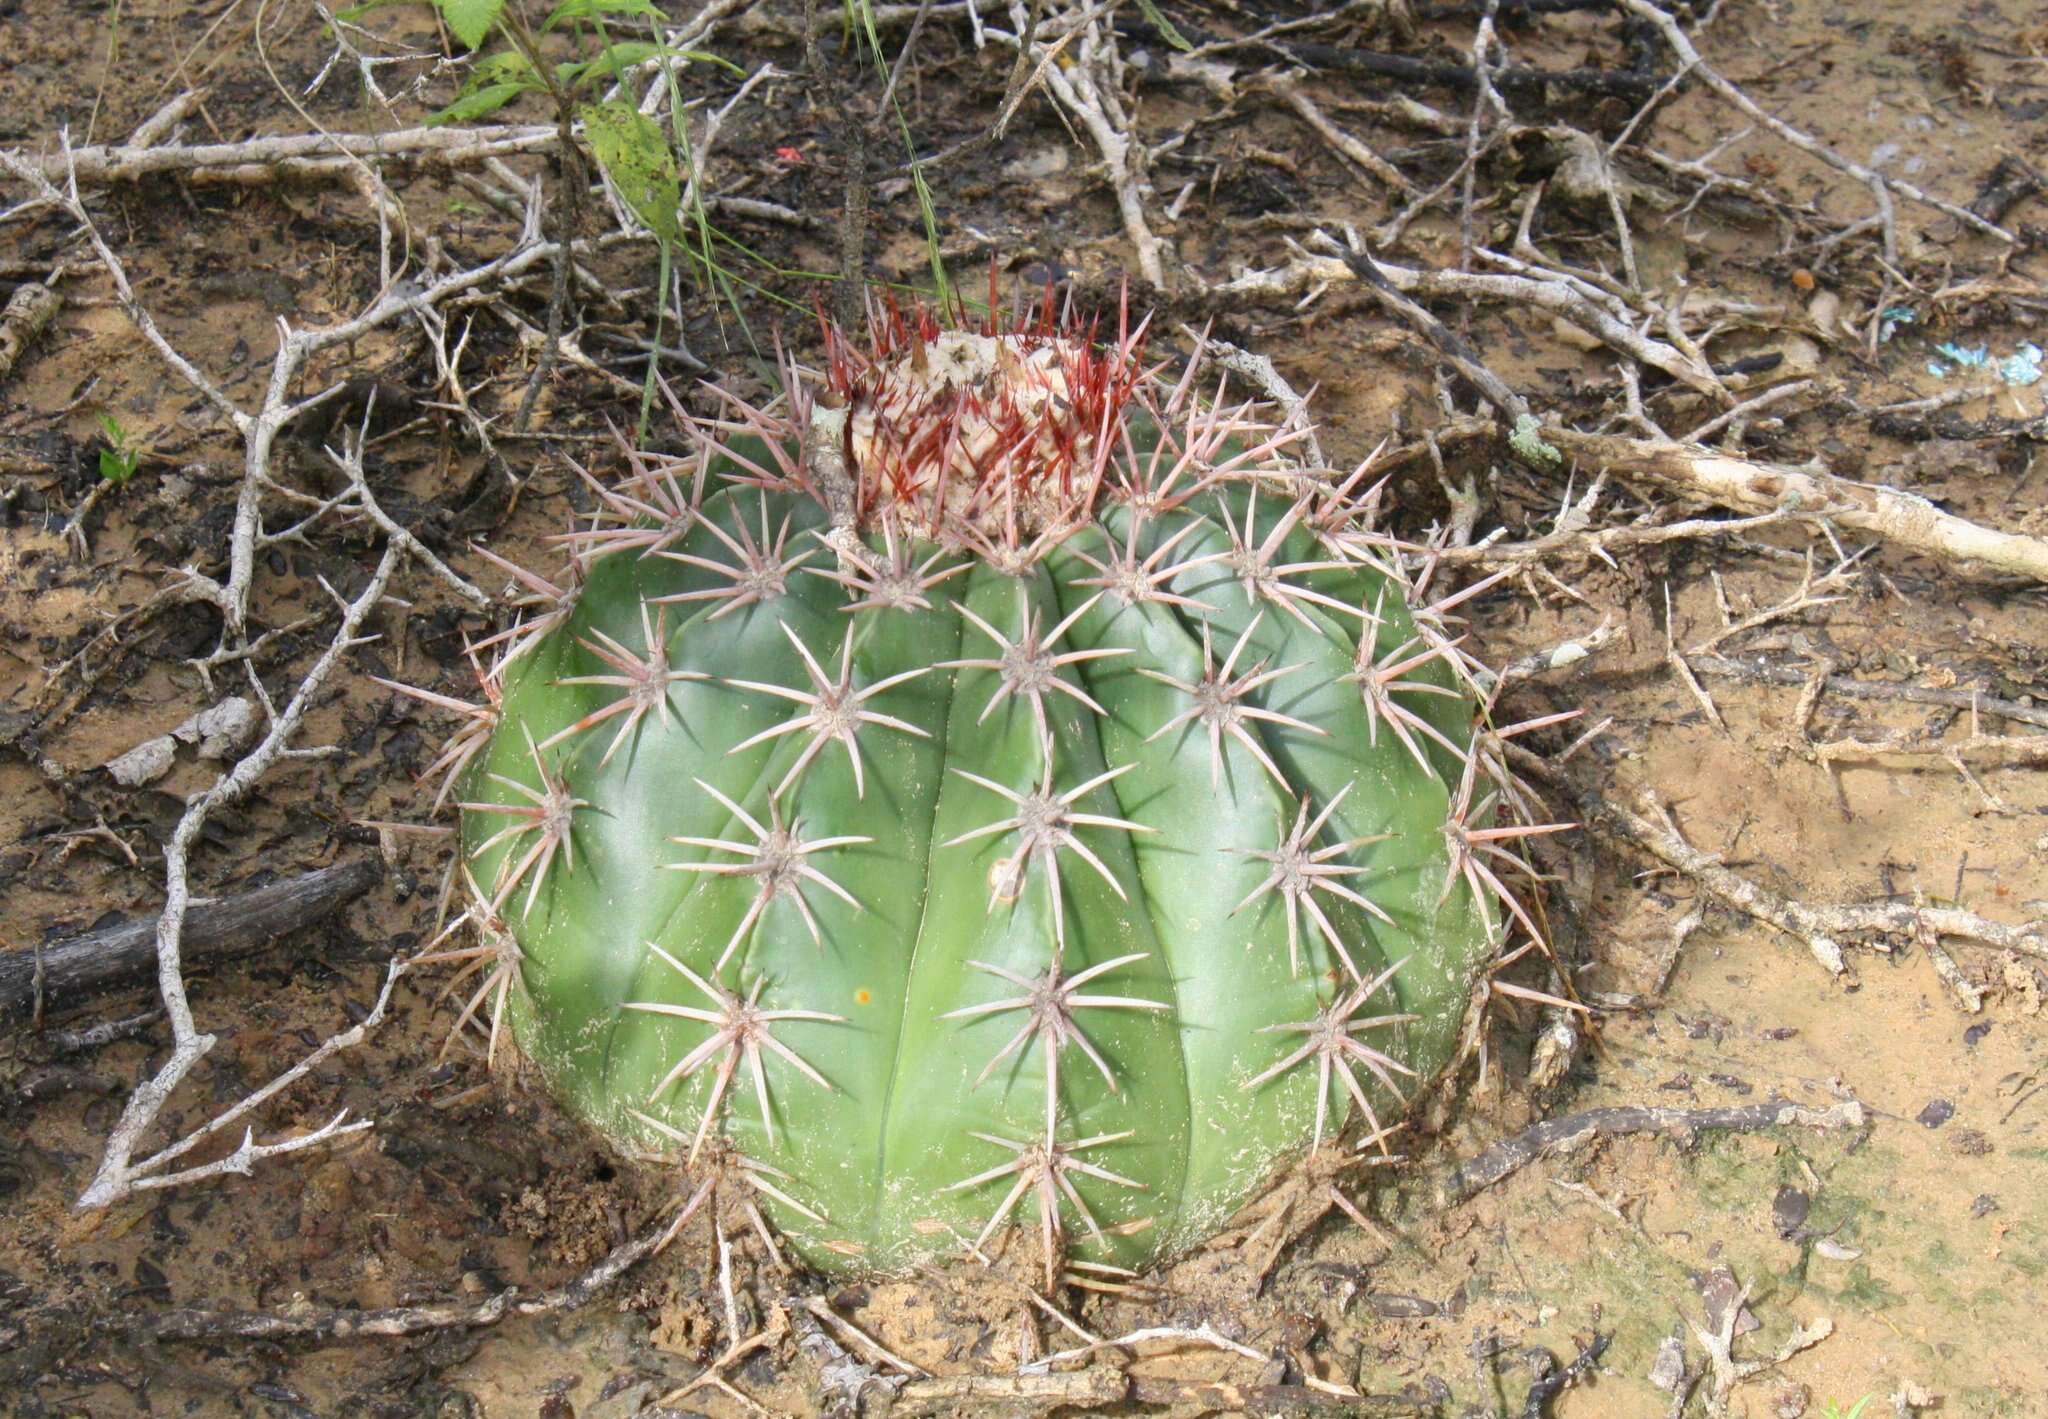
(1969, 1143)
(1789, 1210)
(1668, 1369)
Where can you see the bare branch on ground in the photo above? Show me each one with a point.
(326, 1325)
(1880, 186)
(64, 973)
(119, 1173)
(1905, 520)
(1819, 928)
(1559, 1135)
(283, 157)
(1765, 672)
(1553, 294)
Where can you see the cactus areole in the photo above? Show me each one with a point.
(994, 787)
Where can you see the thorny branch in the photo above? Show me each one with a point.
(118, 1173)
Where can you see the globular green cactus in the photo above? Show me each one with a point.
(993, 786)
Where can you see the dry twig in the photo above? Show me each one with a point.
(1561, 1135)
(52, 977)
(288, 157)
(322, 1325)
(1764, 672)
(1818, 927)
(1880, 186)
(1551, 293)
(1742, 485)
(121, 1172)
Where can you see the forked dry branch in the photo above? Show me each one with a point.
(1822, 929)
(121, 1171)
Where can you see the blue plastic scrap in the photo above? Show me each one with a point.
(2022, 367)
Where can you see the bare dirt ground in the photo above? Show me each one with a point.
(1904, 1258)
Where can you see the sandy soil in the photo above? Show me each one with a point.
(1921, 1237)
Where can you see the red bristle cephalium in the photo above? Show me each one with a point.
(998, 430)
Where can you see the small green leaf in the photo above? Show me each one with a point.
(589, 9)
(470, 19)
(701, 56)
(118, 460)
(506, 66)
(635, 156)
(369, 7)
(1165, 27)
(488, 99)
(608, 61)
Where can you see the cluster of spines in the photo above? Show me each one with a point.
(660, 502)
(1058, 450)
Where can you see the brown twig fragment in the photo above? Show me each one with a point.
(1204, 1334)
(1090, 88)
(215, 927)
(1763, 672)
(28, 312)
(1548, 292)
(1818, 927)
(1995, 750)
(1718, 1339)
(1081, 1391)
(323, 1325)
(1227, 1397)
(1559, 1135)
(1743, 485)
(1287, 86)
(1684, 671)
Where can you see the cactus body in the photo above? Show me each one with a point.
(1002, 794)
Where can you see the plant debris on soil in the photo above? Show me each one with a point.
(1714, 332)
